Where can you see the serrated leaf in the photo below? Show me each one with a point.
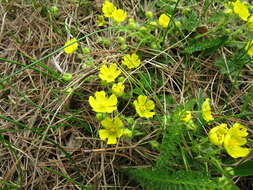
(200, 45)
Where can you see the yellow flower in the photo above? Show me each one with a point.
(217, 134)
(108, 8)
(103, 104)
(143, 107)
(241, 9)
(118, 89)
(113, 130)
(100, 20)
(206, 111)
(131, 61)
(234, 139)
(250, 23)
(109, 74)
(71, 48)
(185, 116)
(249, 47)
(164, 20)
(119, 15)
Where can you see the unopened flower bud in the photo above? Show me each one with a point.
(99, 116)
(153, 23)
(154, 144)
(123, 47)
(68, 91)
(178, 24)
(149, 14)
(86, 50)
(54, 10)
(130, 120)
(121, 40)
(67, 76)
(143, 29)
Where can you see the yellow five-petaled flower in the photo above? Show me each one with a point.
(100, 20)
(144, 107)
(119, 15)
(164, 20)
(112, 130)
(232, 139)
(101, 103)
(108, 8)
(118, 89)
(71, 48)
(109, 74)
(131, 61)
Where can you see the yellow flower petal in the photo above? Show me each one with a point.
(206, 111)
(236, 151)
(108, 8)
(249, 47)
(103, 134)
(107, 123)
(185, 116)
(112, 140)
(148, 114)
(142, 99)
(100, 95)
(150, 105)
(117, 122)
(119, 15)
(217, 134)
(92, 101)
(71, 48)
(241, 9)
(112, 100)
(100, 20)
(164, 20)
(234, 139)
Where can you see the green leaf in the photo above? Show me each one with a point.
(162, 180)
(190, 21)
(245, 169)
(210, 43)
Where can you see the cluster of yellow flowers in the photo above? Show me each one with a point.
(242, 10)
(119, 15)
(102, 103)
(231, 139)
(110, 11)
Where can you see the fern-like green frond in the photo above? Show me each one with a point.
(163, 180)
(206, 44)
